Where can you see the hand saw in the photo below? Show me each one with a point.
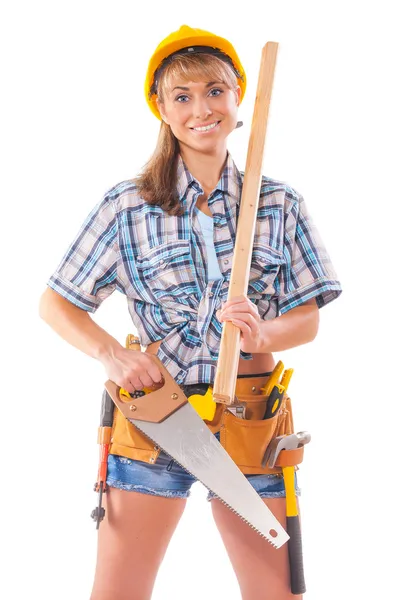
(167, 418)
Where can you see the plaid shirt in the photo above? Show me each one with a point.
(159, 262)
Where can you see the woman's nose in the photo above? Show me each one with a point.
(202, 109)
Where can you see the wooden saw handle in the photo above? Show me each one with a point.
(227, 365)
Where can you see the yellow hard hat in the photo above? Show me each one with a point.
(187, 40)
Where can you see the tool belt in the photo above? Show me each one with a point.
(244, 439)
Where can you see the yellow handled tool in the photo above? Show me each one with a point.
(205, 406)
(273, 379)
(277, 393)
(277, 445)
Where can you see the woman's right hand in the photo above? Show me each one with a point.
(131, 369)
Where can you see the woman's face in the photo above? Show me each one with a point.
(200, 114)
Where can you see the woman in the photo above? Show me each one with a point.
(166, 241)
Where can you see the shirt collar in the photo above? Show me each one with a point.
(230, 182)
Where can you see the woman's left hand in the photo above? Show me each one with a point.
(244, 314)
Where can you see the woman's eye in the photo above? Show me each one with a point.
(181, 98)
(216, 92)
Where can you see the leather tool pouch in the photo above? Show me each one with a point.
(246, 440)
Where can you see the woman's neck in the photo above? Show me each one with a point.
(205, 168)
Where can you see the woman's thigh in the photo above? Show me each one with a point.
(132, 541)
(261, 570)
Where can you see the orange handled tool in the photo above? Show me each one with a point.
(104, 439)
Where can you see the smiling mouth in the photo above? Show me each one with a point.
(206, 127)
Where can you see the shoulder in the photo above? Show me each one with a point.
(279, 194)
(276, 188)
(123, 196)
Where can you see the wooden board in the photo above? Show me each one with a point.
(227, 366)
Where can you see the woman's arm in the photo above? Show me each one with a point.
(127, 368)
(75, 325)
(296, 327)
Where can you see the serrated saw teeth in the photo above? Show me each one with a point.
(270, 540)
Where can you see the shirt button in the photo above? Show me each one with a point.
(210, 294)
(226, 261)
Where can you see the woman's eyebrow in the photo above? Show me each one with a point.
(186, 89)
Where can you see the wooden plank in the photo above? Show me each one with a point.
(227, 365)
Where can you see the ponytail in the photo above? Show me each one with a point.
(157, 182)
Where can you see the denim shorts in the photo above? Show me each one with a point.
(167, 478)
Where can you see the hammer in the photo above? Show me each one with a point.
(290, 442)
(284, 442)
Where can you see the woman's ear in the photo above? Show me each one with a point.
(238, 94)
(161, 111)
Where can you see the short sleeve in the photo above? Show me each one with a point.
(87, 273)
(307, 271)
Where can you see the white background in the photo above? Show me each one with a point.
(75, 123)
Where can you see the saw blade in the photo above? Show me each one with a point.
(187, 439)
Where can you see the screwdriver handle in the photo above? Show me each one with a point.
(285, 380)
(274, 401)
(107, 410)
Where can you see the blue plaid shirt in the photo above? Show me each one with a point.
(159, 262)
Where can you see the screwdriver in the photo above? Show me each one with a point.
(277, 393)
(104, 439)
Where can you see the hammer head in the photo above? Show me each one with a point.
(284, 442)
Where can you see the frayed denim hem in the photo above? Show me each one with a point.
(281, 494)
(130, 487)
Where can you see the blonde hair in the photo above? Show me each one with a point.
(157, 181)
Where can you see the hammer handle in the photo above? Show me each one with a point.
(294, 531)
(295, 555)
